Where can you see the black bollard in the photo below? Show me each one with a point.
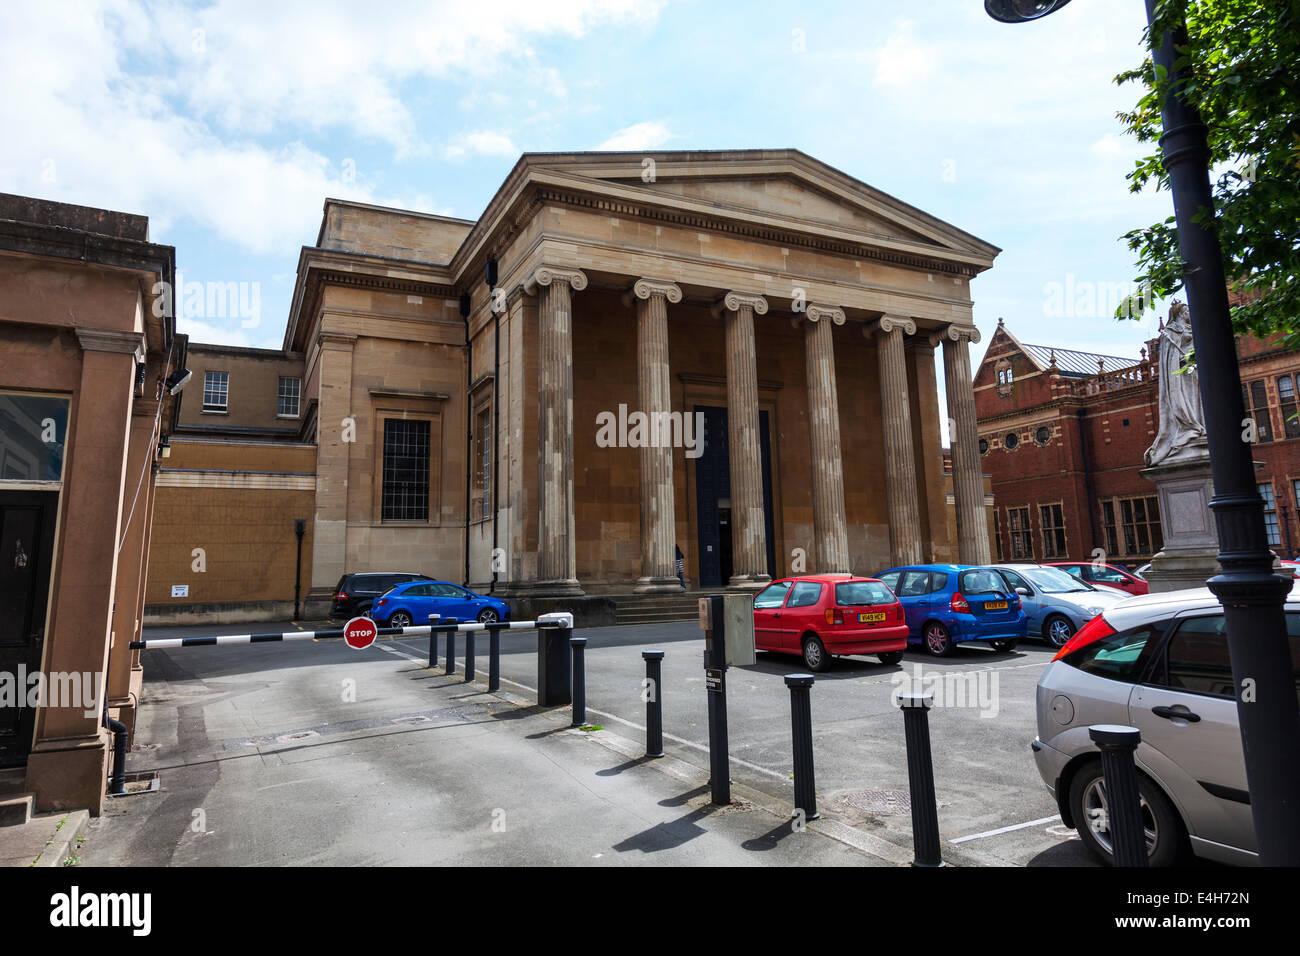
(1123, 799)
(920, 779)
(654, 708)
(494, 659)
(451, 652)
(433, 640)
(469, 656)
(805, 785)
(579, 645)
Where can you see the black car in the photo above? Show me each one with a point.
(356, 592)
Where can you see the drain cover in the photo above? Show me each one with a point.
(300, 735)
(882, 803)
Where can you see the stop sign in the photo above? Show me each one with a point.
(360, 632)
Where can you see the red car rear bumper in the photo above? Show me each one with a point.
(866, 640)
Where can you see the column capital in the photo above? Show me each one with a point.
(338, 341)
(545, 275)
(732, 302)
(889, 323)
(955, 333)
(815, 313)
(645, 288)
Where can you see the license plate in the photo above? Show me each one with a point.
(995, 605)
(873, 618)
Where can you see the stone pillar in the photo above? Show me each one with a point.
(336, 434)
(557, 563)
(830, 550)
(963, 436)
(658, 525)
(748, 521)
(901, 491)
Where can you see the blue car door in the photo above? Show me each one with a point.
(913, 592)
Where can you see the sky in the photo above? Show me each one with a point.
(228, 123)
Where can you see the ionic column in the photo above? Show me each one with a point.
(830, 531)
(967, 478)
(557, 564)
(658, 525)
(748, 522)
(896, 425)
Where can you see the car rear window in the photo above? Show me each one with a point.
(982, 581)
(858, 593)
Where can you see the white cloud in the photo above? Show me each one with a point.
(902, 61)
(482, 143)
(648, 135)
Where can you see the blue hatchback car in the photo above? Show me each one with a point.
(946, 604)
(412, 603)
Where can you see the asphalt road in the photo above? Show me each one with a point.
(985, 776)
(258, 731)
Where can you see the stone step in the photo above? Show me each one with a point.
(13, 781)
(16, 809)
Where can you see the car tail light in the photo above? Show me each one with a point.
(382, 601)
(1094, 630)
(341, 596)
(959, 604)
(833, 616)
(898, 612)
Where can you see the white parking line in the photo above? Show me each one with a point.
(999, 830)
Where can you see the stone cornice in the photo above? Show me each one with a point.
(890, 323)
(111, 340)
(545, 275)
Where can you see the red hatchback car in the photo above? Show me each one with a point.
(827, 616)
(1107, 574)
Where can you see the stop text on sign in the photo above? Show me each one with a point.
(360, 632)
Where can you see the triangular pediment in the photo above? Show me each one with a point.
(772, 187)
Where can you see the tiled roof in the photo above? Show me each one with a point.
(1072, 363)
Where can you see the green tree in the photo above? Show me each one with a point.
(1241, 67)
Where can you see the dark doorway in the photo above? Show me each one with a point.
(713, 498)
(26, 549)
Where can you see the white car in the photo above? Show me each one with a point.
(1158, 662)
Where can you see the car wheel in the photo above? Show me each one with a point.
(890, 657)
(814, 654)
(488, 616)
(937, 640)
(399, 619)
(1089, 806)
(1058, 630)
(1009, 644)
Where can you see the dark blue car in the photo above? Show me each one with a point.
(409, 604)
(946, 604)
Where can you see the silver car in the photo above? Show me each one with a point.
(1057, 604)
(1159, 663)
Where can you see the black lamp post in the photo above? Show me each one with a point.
(1251, 594)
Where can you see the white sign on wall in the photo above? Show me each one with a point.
(180, 590)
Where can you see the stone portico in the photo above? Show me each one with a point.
(791, 309)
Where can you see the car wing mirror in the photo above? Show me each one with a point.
(1025, 592)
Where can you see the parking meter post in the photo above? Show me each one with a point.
(469, 656)
(579, 647)
(451, 652)
(494, 660)
(920, 779)
(433, 640)
(554, 659)
(1118, 745)
(805, 785)
(654, 708)
(715, 673)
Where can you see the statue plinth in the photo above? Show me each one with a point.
(1184, 488)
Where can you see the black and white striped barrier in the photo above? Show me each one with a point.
(560, 620)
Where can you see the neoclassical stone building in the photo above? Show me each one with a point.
(459, 370)
(728, 353)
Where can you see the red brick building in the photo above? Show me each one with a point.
(1062, 434)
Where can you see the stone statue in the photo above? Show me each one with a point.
(1182, 421)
